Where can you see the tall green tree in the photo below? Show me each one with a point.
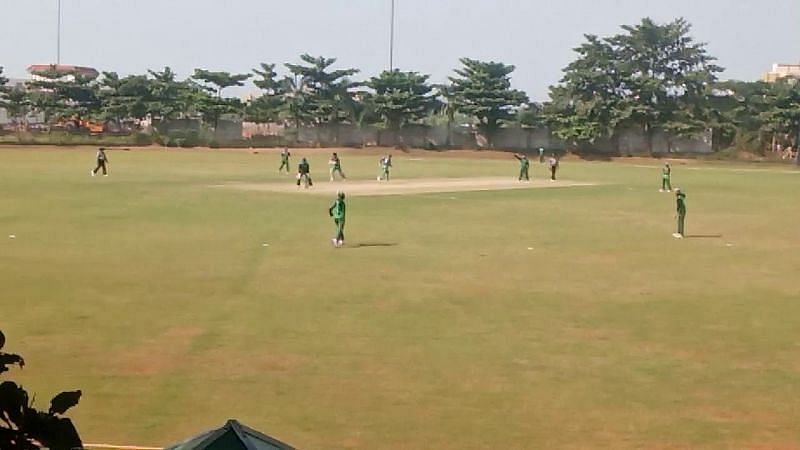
(582, 107)
(669, 77)
(268, 106)
(3, 88)
(319, 92)
(782, 114)
(124, 98)
(14, 99)
(215, 106)
(17, 103)
(170, 98)
(483, 91)
(652, 76)
(401, 97)
(59, 95)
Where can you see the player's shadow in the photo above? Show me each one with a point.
(375, 244)
(703, 236)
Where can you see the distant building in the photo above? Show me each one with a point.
(782, 71)
(68, 71)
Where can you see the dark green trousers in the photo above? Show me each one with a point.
(339, 229)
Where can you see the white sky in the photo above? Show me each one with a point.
(130, 36)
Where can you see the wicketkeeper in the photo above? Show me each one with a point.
(304, 174)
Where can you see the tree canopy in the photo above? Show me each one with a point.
(320, 93)
(401, 97)
(483, 90)
(651, 76)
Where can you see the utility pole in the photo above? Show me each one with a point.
(58, 36)
(391, 40)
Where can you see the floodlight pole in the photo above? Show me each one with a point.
(58, 36)
(391, 40)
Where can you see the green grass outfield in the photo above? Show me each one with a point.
(153, 293)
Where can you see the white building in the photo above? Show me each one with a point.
(782, 71)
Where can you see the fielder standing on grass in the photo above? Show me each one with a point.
(102, 161)
(680, 199)
(666, 183)
(335, 165)
(524, 166)
(285, 154)
(553, 162)
(338, 211)
(385, 165)
(304, 174)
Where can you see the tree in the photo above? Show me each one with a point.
(215, 106)
(124, 98)
(65, 95)
(401, 97)
(483, 90)
(531, 115)
(581, 108)
(169, 98)
(319, 93)
(13, 99)
(267, 107)
(3, 88)
(669, 77)
(22, 427)
(650, 77)
(783, 112)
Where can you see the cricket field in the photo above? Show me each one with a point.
(193, 286)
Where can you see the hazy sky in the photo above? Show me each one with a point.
(537, 36)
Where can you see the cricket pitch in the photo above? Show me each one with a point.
(405, 186)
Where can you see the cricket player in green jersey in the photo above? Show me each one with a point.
(304, 174)
(680, 199)
(335, 165)
(285, 154)
(666, 173)
(338, 211)
(524, 165)
(385, 165)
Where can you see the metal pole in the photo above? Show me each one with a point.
(391, 40)
(58, 36)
